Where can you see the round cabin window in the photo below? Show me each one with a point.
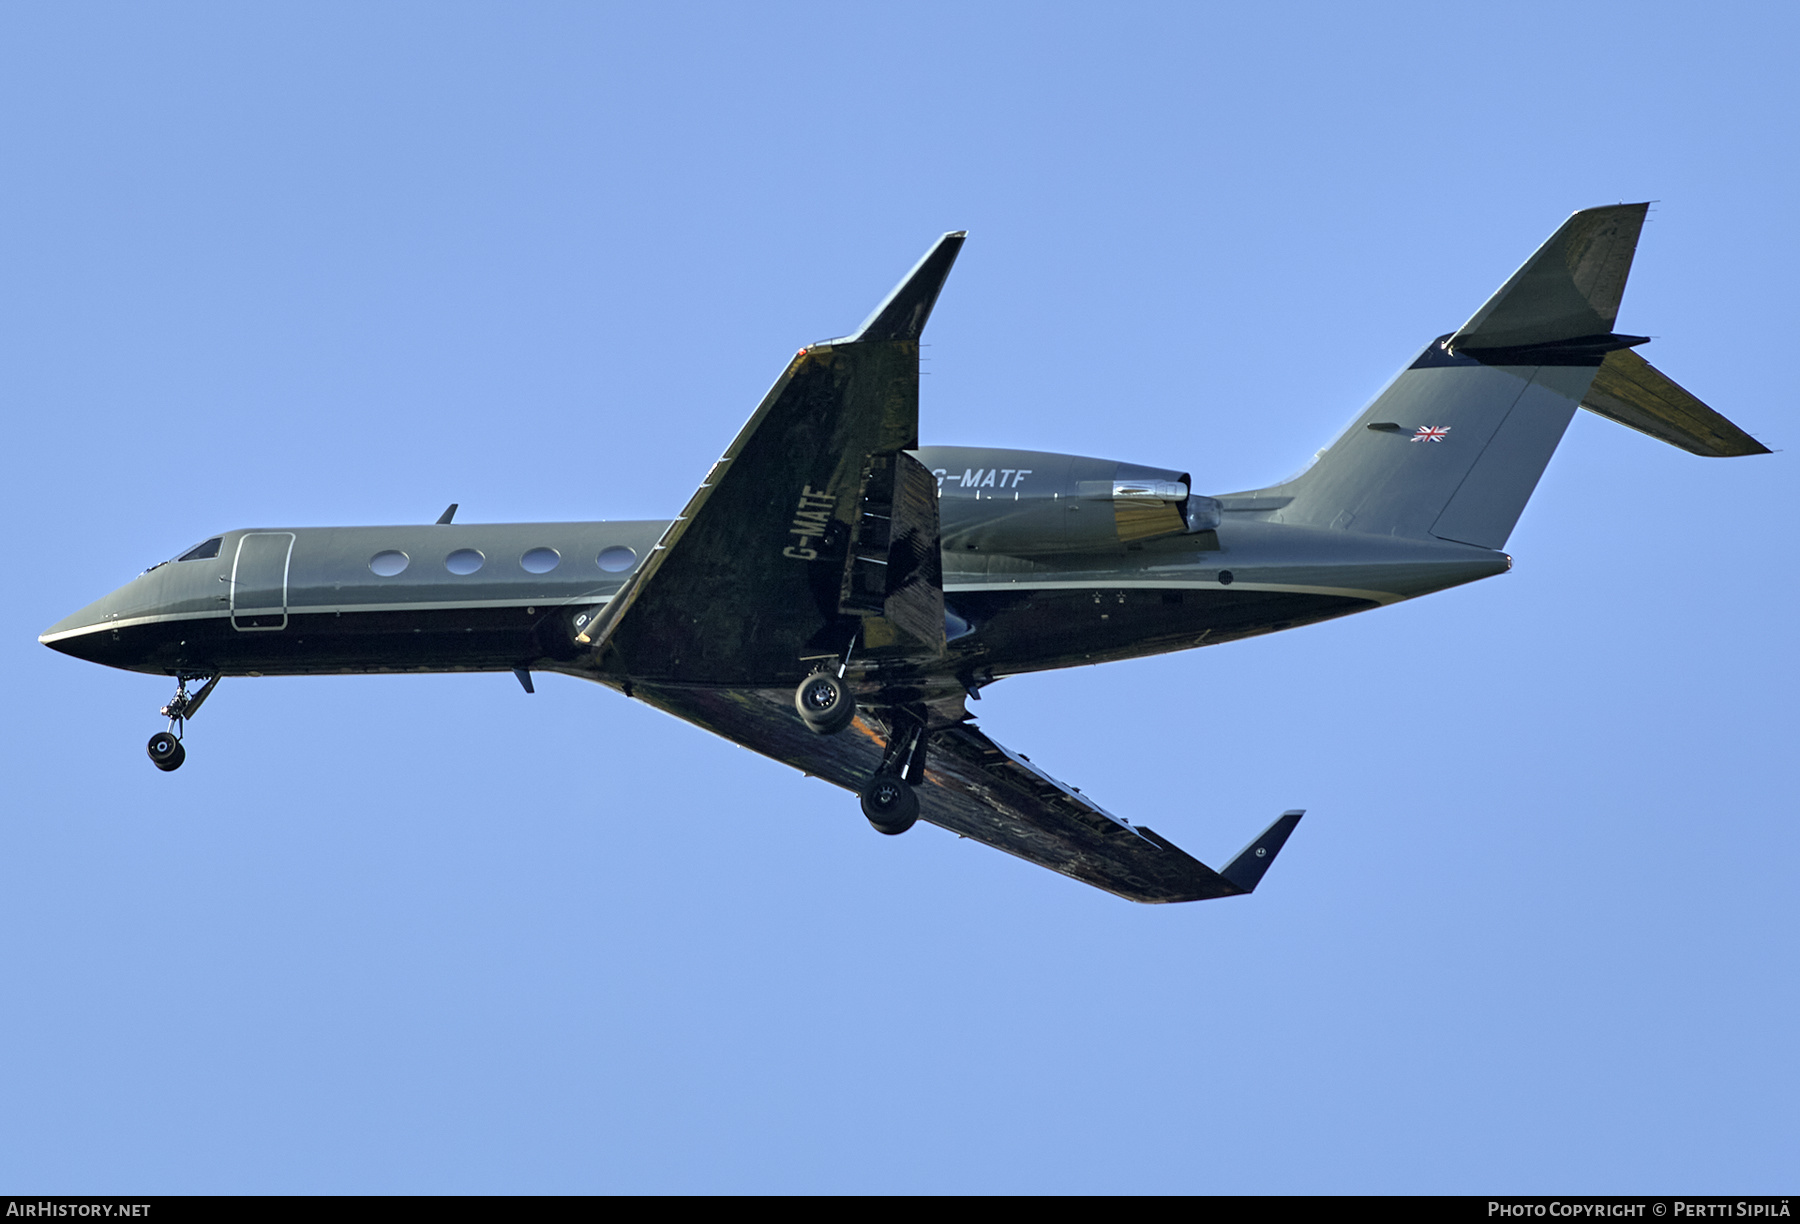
(617, 559)
(464, 561)
(388, 562)
(540, 560)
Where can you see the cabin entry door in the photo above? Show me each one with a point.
(259, 577)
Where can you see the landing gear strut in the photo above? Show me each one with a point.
(166, 752)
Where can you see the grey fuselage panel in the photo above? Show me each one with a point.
(331, 611)
(317, 605)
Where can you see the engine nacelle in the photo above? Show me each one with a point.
(1023, 503)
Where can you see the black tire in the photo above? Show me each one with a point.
(824, 703)
(166, 752)
(890, 804)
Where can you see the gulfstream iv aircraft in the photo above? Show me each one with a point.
(833, 593)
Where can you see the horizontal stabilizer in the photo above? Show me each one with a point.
(1246, 870)
(903, 313)
(1568, 290)
(1633, 392)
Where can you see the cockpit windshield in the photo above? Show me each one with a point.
(203, 552)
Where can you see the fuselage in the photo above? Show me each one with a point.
(499, 597)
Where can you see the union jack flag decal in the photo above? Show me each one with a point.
(1431, 433)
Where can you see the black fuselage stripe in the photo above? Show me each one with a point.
(1014, 629)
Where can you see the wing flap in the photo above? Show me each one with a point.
(895, 574)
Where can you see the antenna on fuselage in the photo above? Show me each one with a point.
(447, 515)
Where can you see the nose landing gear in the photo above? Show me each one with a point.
(166, 752)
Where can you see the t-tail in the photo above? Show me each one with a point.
(1454, 446)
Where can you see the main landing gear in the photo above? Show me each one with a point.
(823, 699)
(890, 804)
(166, 752)
(826, 706)
(888, 798)
(825, 703)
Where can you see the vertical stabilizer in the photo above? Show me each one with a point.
(1454, 446)
(1452, 449)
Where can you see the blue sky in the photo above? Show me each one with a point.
(329, 264)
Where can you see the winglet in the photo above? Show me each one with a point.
(1246, 870)
(902, 314)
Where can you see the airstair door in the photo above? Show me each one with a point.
(259, 578)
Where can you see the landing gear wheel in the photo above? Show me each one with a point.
(166, 752)
(824, 703)
(890, 804)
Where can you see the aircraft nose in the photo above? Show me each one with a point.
(79, 634)
(92, 633)
(84, 646)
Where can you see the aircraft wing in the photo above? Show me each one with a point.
(983, 791)
(812, 525)
(815, 531)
